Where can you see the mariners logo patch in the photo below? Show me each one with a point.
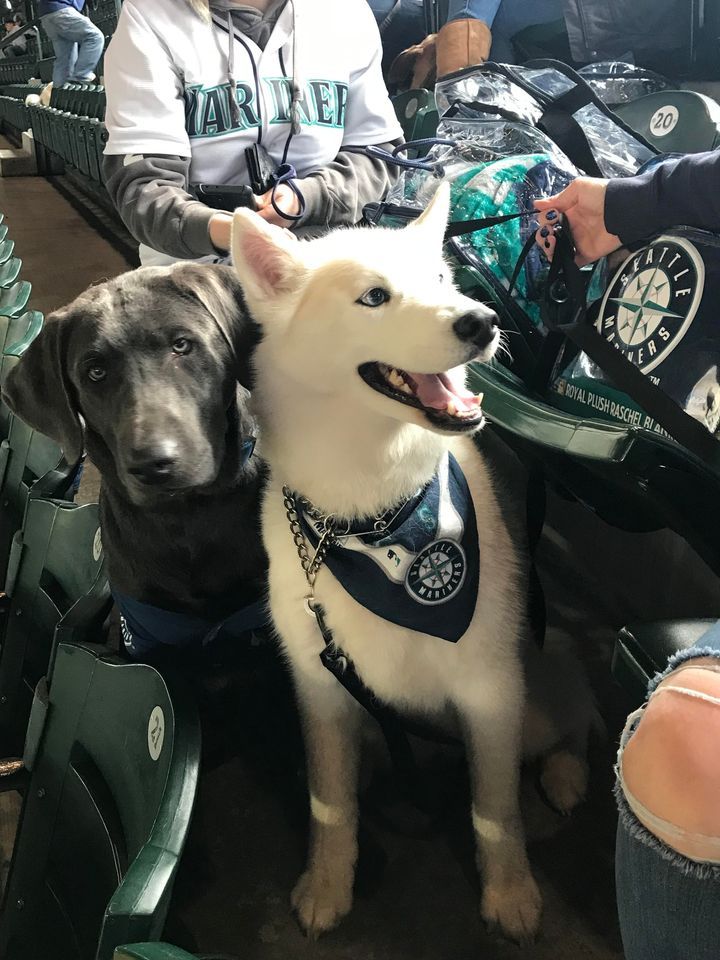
(422, 571)
(652, 301)
(437, 573)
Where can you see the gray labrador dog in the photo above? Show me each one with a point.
(149, 373)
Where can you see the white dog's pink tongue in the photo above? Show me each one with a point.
(436, 390)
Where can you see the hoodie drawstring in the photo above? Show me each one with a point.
(234, 108)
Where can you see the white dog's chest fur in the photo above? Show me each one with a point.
(411, 670)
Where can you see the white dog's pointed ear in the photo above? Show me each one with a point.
(264, 257)
(435, 216)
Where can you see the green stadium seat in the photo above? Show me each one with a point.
(31, 465)
(417, 114)
(16, 334)
(56, 588)
(675, 121)
(642, 651)
(106, 812)
(152, 951)
(3, 232)
(14, 299)
(633, 479)
(9, 272)
(6, 249)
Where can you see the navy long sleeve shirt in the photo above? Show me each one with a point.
(685, 191)
(44, 7)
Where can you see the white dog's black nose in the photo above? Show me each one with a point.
(476, 327)
(153, 465)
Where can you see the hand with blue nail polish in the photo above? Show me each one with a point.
(582, 204)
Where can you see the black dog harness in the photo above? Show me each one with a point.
(417, 565)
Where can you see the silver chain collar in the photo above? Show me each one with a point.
(330, 535)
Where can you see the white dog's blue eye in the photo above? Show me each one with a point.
(375, 297)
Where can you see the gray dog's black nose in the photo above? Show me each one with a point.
(476, 328)
(153, 464)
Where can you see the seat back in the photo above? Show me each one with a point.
(152, 951)
(16, 334)
(14, 299)
(106, 813)
(6, 249)
(675, 121)
(56, 586)
(31, 465)
(416, 113)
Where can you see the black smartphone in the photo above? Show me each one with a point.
(224, 196)
(261, 169)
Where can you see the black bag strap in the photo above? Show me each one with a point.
(559, 123)
(566, 313)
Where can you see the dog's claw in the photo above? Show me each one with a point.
(320, 904)
(514, 908)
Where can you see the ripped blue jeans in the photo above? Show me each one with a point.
(669, 905)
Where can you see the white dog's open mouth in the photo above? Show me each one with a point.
(441, 396)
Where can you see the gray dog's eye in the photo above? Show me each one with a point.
(96, 372)
(182, 346)
(375, 297)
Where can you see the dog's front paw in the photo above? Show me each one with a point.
(320, 903)
(514, 907)
(564, 780)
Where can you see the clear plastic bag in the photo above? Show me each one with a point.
(617, 152)
(495, 168)
(616, 82)
(526, 93)
(489, 89)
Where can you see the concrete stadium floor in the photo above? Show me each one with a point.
(417, 897)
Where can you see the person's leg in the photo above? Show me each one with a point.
(668, 842)
(65, 50)
(514, 16)
(90, 43)
(401, 24)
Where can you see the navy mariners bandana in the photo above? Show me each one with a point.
(422, 572)
(145, 628)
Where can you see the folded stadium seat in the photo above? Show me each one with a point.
(16, 334)
(152, 951)
(14, 299)
(81, 145)
(416, 113)
(675, 121)
(106, 812)
(96, 104)
(6, 248)
(31, 466)
(59, 591)
(9, 272)
(95, 144)
(3, 232)
(642, 651)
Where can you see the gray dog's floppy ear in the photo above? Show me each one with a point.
(220, 293)
(39, 391)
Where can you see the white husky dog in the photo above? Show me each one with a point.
(355, 418)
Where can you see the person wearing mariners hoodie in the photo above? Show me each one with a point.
(191, 84)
